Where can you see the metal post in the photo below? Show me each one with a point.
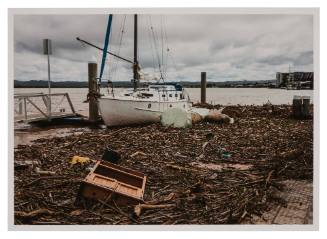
(20, 106)
(93, 91)
(25, 109)
(203, 87)
(70, 103)
(47, 50)
(49, 86)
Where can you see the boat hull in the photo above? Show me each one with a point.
(118, 112)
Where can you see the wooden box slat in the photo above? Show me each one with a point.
(107, 180)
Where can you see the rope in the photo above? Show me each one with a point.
(167, 49)
(156, 48)
(92, 95)
(151, 45)
(169, 52)
(162, 47)
(115, 62)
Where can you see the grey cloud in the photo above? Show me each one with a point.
(277, 60)
(302, 58)
(229, 47)
(305, 58)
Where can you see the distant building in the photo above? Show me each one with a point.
(295, 80)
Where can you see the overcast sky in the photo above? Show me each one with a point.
(227, 47)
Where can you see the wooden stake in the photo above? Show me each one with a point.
(93, 91)
(203, 87)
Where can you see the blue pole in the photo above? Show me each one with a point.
(106, 45)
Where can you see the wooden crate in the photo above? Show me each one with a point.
(109, 181)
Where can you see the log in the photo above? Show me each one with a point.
(216, 116)
(33, 214)
(196, 118)
(138, 208)
(42, 172)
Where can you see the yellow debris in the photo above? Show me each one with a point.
(77, 159)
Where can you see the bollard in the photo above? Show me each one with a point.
(297, 106)
(93, 92)
(203, 87)
(305, 107)
(301, 107)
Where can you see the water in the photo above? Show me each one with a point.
(249, 96)
(28, 135)
(223, 96)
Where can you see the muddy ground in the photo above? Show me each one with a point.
(212, 173)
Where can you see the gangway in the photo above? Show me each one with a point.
(33, 107)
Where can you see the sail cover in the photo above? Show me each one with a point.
(105, 47)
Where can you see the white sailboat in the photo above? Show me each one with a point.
(140, 105)
(145, 105)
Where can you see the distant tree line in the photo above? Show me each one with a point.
(126, 84)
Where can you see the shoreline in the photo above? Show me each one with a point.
(27, 133)
(238, 176)
(36, 131)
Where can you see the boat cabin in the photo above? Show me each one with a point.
(159, 92)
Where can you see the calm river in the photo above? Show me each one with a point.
(223, 96)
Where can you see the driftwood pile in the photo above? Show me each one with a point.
(207, 174)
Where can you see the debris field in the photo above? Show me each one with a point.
(211, 173)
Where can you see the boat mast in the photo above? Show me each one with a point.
(136, 64)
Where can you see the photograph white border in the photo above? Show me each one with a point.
(71, 11)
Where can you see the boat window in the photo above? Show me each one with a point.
(176, 95)
(170, 106)
(147, 94)
(164, 96)
(149, 106)
(181, 96)
(170, 95)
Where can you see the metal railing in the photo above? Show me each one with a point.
(29, 107)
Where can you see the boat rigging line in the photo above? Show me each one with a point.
(101, 49)
(155, 41)
(151, 45)
(158, 44)
(115, 60)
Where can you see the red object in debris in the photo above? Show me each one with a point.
(109, 181)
